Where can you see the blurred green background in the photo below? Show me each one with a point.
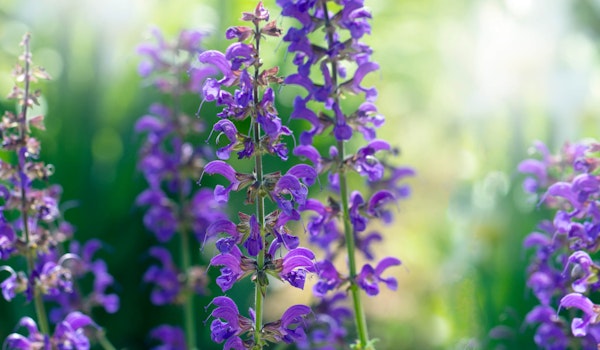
(466, 86)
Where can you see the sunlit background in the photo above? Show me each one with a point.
(466, 86)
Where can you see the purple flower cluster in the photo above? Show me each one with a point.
(562, 273)
(341, 61)
(32, 229)
(170, 159)
(259, 244)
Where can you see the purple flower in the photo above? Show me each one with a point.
(329, 278)
(224, 226)
(291, 328)
(165, 278)
(289, 184)
(219, 60)
(583, 264)
(236, 179)
(377, 205)
(228, 322)
(160, 218)
(294, 266)
(226, 127)
(172, 338)
(69, 334)
(579, 326)
(369, 277)
(358, 221)
(367, 165)
(232, 267)
(254, 242)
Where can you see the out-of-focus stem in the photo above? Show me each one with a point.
(189, 319)
(359, 314)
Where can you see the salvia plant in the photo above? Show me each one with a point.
(310, 202)
(331, 63)
(39, 263)
(562, 274)
(171, 159)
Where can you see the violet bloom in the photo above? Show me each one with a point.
(69, 334)
(160, 218)
(583, 264)
(329, 278)
(228, 324)
(369, 277)
(7, 240)
(254, 242)
(226, 127)
(171, 338)
(294, 266)
(232, 270)
(579, 326)
(165, 277)
(237, 180)
(290, 328)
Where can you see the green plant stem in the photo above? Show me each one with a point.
(104, 342)
(260, 200)
(359, 314)
(40, 310)
(188, 307)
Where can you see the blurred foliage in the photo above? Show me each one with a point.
(466, 86)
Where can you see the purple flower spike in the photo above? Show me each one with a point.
(585, 263)
(579, 326)
(172, 338)
(369, 277)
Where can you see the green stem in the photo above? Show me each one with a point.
(188, 307)
(37, 297)
(359, 314)
(103, 340)
(189, 319)
(260, 200)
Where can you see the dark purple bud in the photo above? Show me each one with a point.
(241, 33)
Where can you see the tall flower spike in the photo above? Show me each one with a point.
(250, 247)
(32, 228)
(343, 220)
(170, 159)
(567, 184)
